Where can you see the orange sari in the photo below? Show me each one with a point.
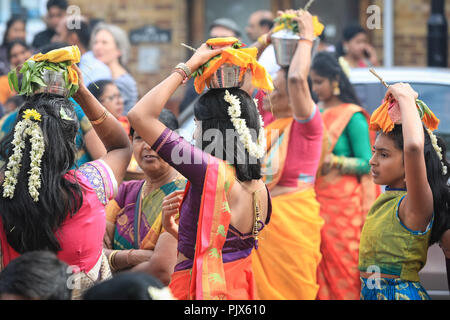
(344, 202)
(210, 278)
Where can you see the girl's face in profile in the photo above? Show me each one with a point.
(387, 163)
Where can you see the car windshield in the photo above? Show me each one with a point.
(436, 96)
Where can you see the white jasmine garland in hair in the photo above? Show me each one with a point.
(257, 149)
(22, 130)
(438, 150)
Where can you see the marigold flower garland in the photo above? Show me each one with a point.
(257, 149)
(23, 129)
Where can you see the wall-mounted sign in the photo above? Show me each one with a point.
(150, 34)
(148, 59)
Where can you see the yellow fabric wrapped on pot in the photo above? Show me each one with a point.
(69, 53)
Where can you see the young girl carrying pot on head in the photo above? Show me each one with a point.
(413, 212)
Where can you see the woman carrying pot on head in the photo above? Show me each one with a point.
(44, 205)
(226, 202)
(285, 264)
(344, 189)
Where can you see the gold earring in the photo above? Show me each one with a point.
(271, 106)
(336, 90)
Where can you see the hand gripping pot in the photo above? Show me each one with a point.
(285, 43)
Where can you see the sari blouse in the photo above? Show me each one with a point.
(192, 163)
(81, 235)
(123, 212)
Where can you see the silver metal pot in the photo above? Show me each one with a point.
(55, 83)
(226, 76)
(285, 43)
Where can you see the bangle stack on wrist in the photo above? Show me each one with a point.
(264, 39)
(337, 162)
(183, 70)
(111, 260)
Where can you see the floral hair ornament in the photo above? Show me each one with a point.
(245, 58)
(29, 126)
(438, 150)
(52, 72)
(257, 149)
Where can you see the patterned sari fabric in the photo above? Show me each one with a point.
(392, 289)
(285, 264)
(344, 202)
(216, 260)
(126, 208)
(210, 278)
(81, 236)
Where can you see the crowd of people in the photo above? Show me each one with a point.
(104, 199)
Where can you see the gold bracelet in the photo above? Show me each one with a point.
(306, 39)
(110, 260)
(128, 256)
(102, 118)
(263, 40)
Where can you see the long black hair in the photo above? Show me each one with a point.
(436, 179)
(9, 24)
(13, 43)
(348, 34)
(98, 87)
(167, 118)
(326, 65)
(212, 110)
(32, 225)
(37, 275)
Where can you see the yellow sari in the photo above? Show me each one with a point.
(285, 264)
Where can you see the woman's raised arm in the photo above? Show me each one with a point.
(144, 115)
(416, 210)
(298, 88)
(108, 129)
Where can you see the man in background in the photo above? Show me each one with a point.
(260, 22)
(56, 11)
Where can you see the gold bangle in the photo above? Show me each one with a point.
(128, 256)
(110, 260)
(306, 39)
(102, 118)
(263, 40)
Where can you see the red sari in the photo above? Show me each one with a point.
(344, 202)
